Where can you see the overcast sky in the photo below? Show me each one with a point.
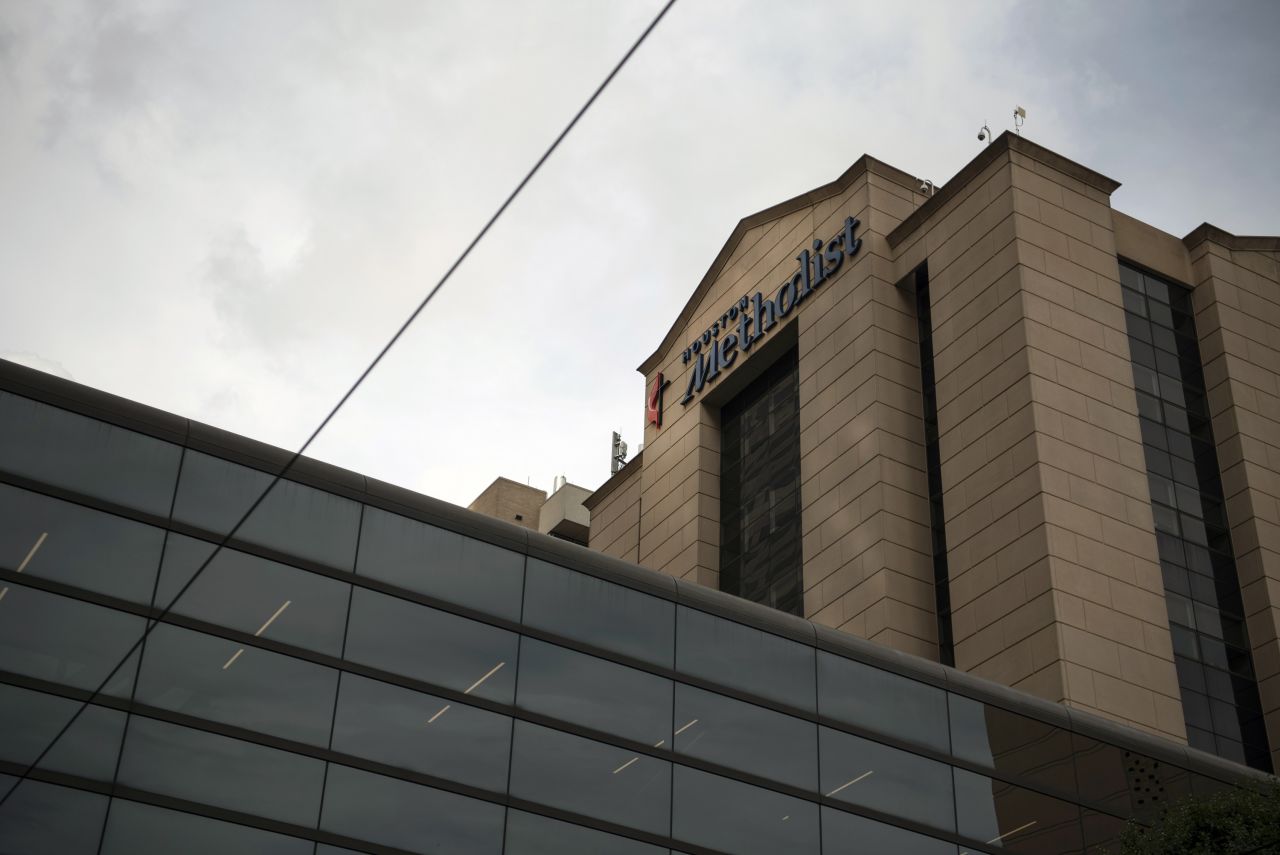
(223, 209)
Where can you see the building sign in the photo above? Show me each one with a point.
(748, 320)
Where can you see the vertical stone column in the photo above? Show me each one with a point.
(868, 561)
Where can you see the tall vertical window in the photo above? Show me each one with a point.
(1206, 617)
(760, 490)
(919, 282)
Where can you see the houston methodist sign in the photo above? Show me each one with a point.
(750, 318)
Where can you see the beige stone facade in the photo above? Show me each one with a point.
(510, 501)
(1053, 573)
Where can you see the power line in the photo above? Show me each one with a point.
(359, 380)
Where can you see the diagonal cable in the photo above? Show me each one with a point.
(359, 380)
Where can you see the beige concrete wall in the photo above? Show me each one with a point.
(510, 501)
(1237, 303)
(1055, 586)
(868, 565)
(615, 515)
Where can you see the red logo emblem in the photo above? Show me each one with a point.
(653, 407)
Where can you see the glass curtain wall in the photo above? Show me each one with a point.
(411, 689)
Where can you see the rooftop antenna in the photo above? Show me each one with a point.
(984, 133)
(1019, 117)
(619, 454)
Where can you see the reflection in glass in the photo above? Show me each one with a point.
(599, 613)
(850, 834)
(723, 814)
(1012, 818)
(67, 450)
(254, 595)
(862, 772)
(1101, 832)
(193, 673)
(1013, 745)
(590, 778)
(427, 734)
(531, 834)
(1126, 782)
(213, 494)
(433, 646)
(30, 720)
(738, 656)
(441, 563)
(66, 641)
(40, 817)
(217, 770)
(138, 829)
(746, 737)
(861, 695)
(591, 692)
(409, 816)
(52, 539)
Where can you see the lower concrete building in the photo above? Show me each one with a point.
(364, 669)
(561, 514)
(997, 424)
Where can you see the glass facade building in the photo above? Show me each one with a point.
(363, 669)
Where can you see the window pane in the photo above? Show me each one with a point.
(530, 834)
(760, 490)
(214, 494)
(591, 692)
(600, 613)
(862, 772)
(433, 646)
(77, 453)
(411, 730)
(731, 654)
(590, 778)
(397, 813)
(849, 834)
(861, 695)
(216, 770)
(59, 540)
(217, 679)
(66, 641)
(254, 595)
(138, 829)
(441, 564)
(30, 720)
(1012, 818)
(1013, 745)
(746, 737)
(734, 817)
(40, 818)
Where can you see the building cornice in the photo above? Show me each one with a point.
(1001, 145)
(862, 166)
(1207, 232)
